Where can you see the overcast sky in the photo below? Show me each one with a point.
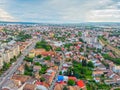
(60, 11)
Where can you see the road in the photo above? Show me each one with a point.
(60, 68)
(14, 67)
(117, 51)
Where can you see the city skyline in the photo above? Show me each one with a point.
(60, 11)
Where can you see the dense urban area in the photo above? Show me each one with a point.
(59, 57)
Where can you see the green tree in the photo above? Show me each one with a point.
(65, 88)
(71, 82)
(39, 56)
(70, 71)
(60, 72)
(43, 44)
(28, 59)
(28, 70)
(37, 63)
(47, 58)
(42, 79)
(90, 64)
(58, 49)
(84, 62)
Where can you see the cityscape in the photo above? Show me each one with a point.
(44, 48)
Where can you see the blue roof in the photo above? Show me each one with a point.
(60, 78)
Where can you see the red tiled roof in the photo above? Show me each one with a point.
(63, 83)
(38, 83)
(81, 84)
(42, 83)
(72, 78)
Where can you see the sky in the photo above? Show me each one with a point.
(60, 11)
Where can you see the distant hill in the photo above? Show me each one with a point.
(5, 22)
(67, 24)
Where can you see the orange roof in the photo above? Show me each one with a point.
(21, 78)
(72, 78)
(98, 72)
(73, 88)
(29, 87)
(58, 87)
(21, 68)
(43, 52)
(81, 84)
(42, 83)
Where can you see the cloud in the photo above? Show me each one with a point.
(5, 16)
(109, 12)
(60, 10)
(106, 15)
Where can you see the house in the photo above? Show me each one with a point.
(81, 84)
(97, 63)
(58, 87)
(110, 74)
(97, 79)
(37, 75)
(43, 52)
(110, 63)
(11, 85)
(49, 63)
(19, 79)
(116, 69)
(36, 68)
(72, 78)
(41, 87)
(97, 73)
(49, 76)
(65, 65)
(53, 68)
(60, 78)
(73, 88)
(109, 82)
(116, 78)
(31, 54)
(101, 67)
(21, 69)
(44, 84)
(29, 87)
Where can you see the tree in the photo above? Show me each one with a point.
(84, 63)
(42, 79)
(65, 88)
(28, 70)
(60, 72)
(70, 71)
(90, 64)
(71, 82)
(37, 63)
(43, 44)
(80, 33)
(39, 56)
(58, 49)
(43, 69)
(6, 66)
(81, 49)
(28, 59)
(47, 58)
(81, 40)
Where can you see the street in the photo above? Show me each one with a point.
(60, 67)
(13, 68)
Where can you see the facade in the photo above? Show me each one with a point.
(8, 52)
(116, 69)
(1, 62)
